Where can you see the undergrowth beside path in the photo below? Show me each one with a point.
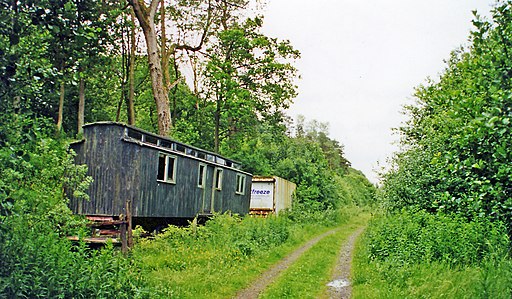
(419, 255)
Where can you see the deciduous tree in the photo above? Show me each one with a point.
(248, 78)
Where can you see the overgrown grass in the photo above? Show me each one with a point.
(434, 280)
(41, 264)
(418, 255)
(308, 276)
(221, 257)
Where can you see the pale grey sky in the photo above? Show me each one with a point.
(361, 61)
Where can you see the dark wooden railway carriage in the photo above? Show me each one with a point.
(162, 178)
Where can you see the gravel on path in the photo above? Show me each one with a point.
(340, 286)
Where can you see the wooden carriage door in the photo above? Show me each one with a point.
(207, 190)
(216, 188)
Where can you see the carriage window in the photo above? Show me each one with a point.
(150, 139)
(191, 152)
(240, 184)
(166, 168)
(134, 134)
(165, 143)
(220, 161)
(201, 178)
(180, 147)
(218, 179)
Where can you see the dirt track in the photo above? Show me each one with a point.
(341, 273)
(268, 277)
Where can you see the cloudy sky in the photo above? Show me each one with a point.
(361, 61)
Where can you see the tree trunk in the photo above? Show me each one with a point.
(131, 76)
(146, 17)
(124, 73)
(61, 106)
(164, 53)
(159, 94)
(81, 106)
(120, 104)
(217, 126)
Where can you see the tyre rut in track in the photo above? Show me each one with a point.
(340, 286)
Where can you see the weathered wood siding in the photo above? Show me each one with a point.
(125, 169)
(114, 180)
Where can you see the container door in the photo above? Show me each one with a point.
(207, 190)
(262, 196)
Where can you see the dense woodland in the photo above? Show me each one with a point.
(200, 72)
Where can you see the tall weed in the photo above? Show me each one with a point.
(39, 263)
(409, 238)
(421, 255)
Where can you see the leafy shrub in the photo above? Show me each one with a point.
(230, 231)
(420, 237)
(422, 255)
(355, 189)
(45, 265)
(455, 161)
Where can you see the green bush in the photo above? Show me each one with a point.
(355, 189)
(420, 237)
(422, 255)
(247, 234)
(45, 265)
(455, 160)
